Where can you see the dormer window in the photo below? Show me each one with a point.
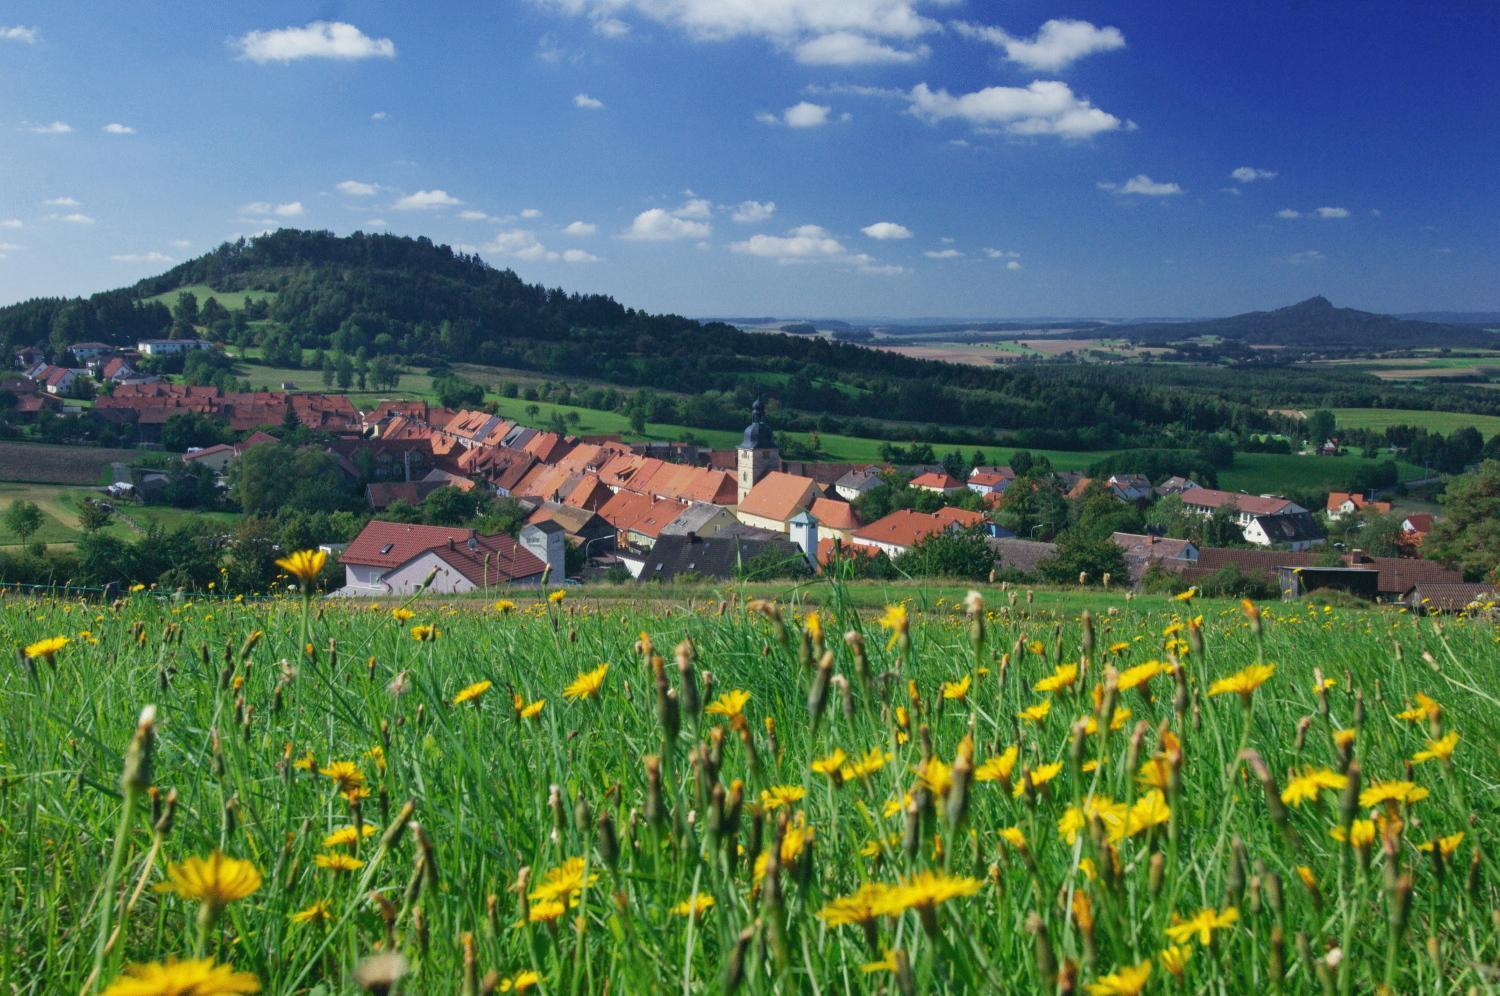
(386, 549)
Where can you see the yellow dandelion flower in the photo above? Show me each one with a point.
(1075, 818)
(1426, 707)
(895, 806)
(504, 605)
(319, 912)
(557, 596)
(1343, 738)
(347, 836)
(214, 881)
(1391, 792)
(813, 624)
(1185, 596)
(1119, 648)
(1036, 713)
(729, 705)
(1062, 677)
(830, 764)
(926, 890)
(694, 907)
(345, 774)
(1013, 836)
(894, 619)
(1438, 750)
(521, 981)
(935, 776)
(1038, 776)
(47, 647)
(195, 977)
(1175, 959)
(587, 684)
(1306, 785)
(1131, 677)
(1148, 811)
(1202, 925)
(1086, 865)
(471, 692)
(1123, 982)
(402, 616)
(873, 760)
(305, 762)
(1445, 845)
(1037, 647)
(861, 907)
(957, 689)
(1361, 833)
(999, 767)
(424, 634)
(563, 882)
(338, 862)
(304, 565)
(547, 912)
(781, 795)
(377, 755)
(527, 710)
(1243, 682)
(885, 964)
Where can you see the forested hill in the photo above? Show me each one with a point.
(1315, 325)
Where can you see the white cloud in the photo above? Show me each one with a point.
(846, 48)
(63, 202)
(1057, 45)
(1288, 213)
(942, 254)
(523, 244)
(378, 116)
(783, 22)
(588, 103)
(1305, 257)
(806, 242)
(115, 128)
(181, 244)
(580, 229)
(1012, 265)
(803, 114)
(73, 219)
(1000, 253)
(884, 230)
(55, 128)
(473, 215)
(1332, 212)
(424, 200)
(1249, 174)
(20, 33)
(610, 27)
(660, 225)
(357, 188)
(142, 257)
(376, 223)
(695, 207)
(1143, 185)
(318, 40)
(578, 256)
(531, 213)
(1045, 107)
(753, 212)
(6, 247)
(11, 223)
(289, 209)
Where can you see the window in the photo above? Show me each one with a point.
(386, 549)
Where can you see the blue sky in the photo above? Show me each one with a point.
(779, 157)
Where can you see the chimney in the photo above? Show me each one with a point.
(450, 543)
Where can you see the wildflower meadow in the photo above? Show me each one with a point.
(731, 794)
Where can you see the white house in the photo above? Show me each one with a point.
(169, 347)
(395, 558)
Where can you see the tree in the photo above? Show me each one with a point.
(185, 316)
(1079, 556)
(266, 479)
(93, 515)
(185, 430)
(345, 372)
(1467, 538)
(104, 559)
(1032, 508)
(949, 554)
(23, 518)
(455, 392)
(450, 506)
(638, 421)
(1320, 426)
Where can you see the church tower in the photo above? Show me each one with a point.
(757, 455)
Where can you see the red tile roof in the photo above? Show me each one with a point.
(834, 514)
(1211, 499)
(391, 544)
(779, 496)
(903, 527)
(936, 481)
(963, 518)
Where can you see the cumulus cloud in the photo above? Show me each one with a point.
(610, 27)
(11, 223)
(803, 114)
(425, 200)
(1332, 212)
(115, 128)
(810, 244)
(64, 202)
(661, 225)
(375, 223)
(942, 254)
(1143, 185)
(20, 33)
(1288, 213)
(884, 230)
(181, 243)
(1058, 44)
(1013, 265)
(992, 253)
(1249, 174)
(378, 116)
(520, 243)
(580, 229)
(142, 257)
(578, 256)
(1045, 107)
(846, 48)
(531, 213)
(75, 218)
(288, 209)
(1305, 257)
(753, 212)
(473, 215)
(695, 207)
(54, 128)
(588, 103)
(318, 40)
(357, 188)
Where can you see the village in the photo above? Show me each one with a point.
(664, 512)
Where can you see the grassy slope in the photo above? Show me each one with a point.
(59, 504)
(232, 300)
(1444, 422)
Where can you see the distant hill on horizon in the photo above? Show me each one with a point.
(1316, 325)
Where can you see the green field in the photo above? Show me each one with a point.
(660, 847)
(1444, 422)
(1263, 473)
(60, 503)
(232, 300)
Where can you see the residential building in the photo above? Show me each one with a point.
(1133, 489)
(1020, 556)
(775, 499)
(990, 480)
(700, 520)
(1144, 549)
(836, 519)
(938, 482)
(905, 528)
(394, 558)
(1297, 531)
(215, 458)
(116, 369)
(169, 347)
(856, 482)
(1395, 576)
(1206, 501)
(1342, 504)
(1174, 485)
(1415, 527)
(86, 352)
(584, 528)
(719, 557)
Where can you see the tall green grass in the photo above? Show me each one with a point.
(495, 795)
